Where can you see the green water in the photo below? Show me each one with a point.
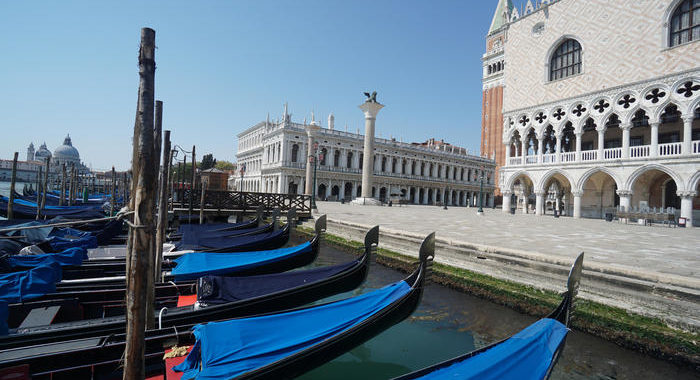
(449, 323)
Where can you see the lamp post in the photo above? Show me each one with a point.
(480, 211)
(242, 171)
(314, 158)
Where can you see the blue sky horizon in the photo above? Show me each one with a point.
(71, 67)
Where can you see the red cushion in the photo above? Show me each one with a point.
(186, 300)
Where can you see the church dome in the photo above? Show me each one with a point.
(43, 152)
(66, 152)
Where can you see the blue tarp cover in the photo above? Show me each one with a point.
(526, 355)
(196, 264)
(224, 350)
(214, 290)
(4, 314)
(71, 256)
(230, 242)
(19, 286)
(61, 244)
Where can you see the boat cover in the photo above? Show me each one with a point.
(59, 244)
(526, 355)
(213, 290)
(191, 266)
(20, 286)
(229, 242)
(224, 350)
(25, 209)
(195, 228)
(71, 256)
(203, 237)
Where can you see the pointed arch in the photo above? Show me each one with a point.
(582, 180)
(511, 180)
(541, 186)
(693, 182)
(632, 178)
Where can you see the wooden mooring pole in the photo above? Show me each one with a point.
(192, 185)
(201, 201)
(38, 192)
(46, 183)
(13, 179)
(112, 200)
(143, 195)
(63, 186)
(162, 206)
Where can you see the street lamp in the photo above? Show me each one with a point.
(480, 211)
(314, 158)
(242, 171)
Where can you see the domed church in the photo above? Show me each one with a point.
(66, 154)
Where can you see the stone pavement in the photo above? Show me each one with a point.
(655, 249)
(653, 270)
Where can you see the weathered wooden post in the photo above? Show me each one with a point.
(192, 185)
(157, 136)
(162, 206)
(112, 200)
(201, 200)
(143, 196)
(38, 192)
(13, 179)
(125, 186)
(71, 185)
(46, 183)
(63, 186)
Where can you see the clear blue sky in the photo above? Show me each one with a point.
(71, 67)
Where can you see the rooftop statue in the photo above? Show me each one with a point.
(371, 98)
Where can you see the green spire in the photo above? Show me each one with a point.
(500, 18)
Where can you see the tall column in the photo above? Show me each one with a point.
(687, 206)
(601, 142)
(524, 199)
(578, 146)
(540, 146)
(654, 139)
(539, 202)
(558, 152)
(370, 109)
(687, 146)
(506, 201)
(310, 130)
(577, 203)
(507, 153)
(523, 153)
(626, 140)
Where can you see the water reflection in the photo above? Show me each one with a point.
(449, 323)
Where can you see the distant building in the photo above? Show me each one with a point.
(600, 105)
(27, 170)
(216, 179)
(272, 157)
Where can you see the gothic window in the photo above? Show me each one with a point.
(566, 60)
(295, 153)
(349, 160)
(685, 23)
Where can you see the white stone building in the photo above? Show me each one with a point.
(601, 106)
(274, 155)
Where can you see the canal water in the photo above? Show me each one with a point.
(5, 187)
(449, 323)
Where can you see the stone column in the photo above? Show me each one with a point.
(601, 143)
(506, 201)
(578, 146)
(310, 130)
(370, 109)
(353, 192)
(654, 139)
(507, 153)
(539, 203)
(523, 152)
(626, 140)
(524, 205)
(577, 203)
(558, 152)
(687, 206)
(687, 147)
(540, 147)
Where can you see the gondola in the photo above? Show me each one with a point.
(27, 210)
(529, 354)
(220, 227)
(369, 314)
(216, 298)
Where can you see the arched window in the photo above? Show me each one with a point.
(566, 60)
(295, 153)
(349, 160)
(685, 23)
(336, 158)
(324, 156)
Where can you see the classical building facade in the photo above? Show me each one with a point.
(27, 170)
(273, 157)
(601, 106)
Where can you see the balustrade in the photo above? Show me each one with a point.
(612, 153)
(568, 156)
(670, 149)
(549, 158)
(696, 147)
(530, 159)
(515, 161)
(640, 151)
(589, 155)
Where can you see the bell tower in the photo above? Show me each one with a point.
(493, 64)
